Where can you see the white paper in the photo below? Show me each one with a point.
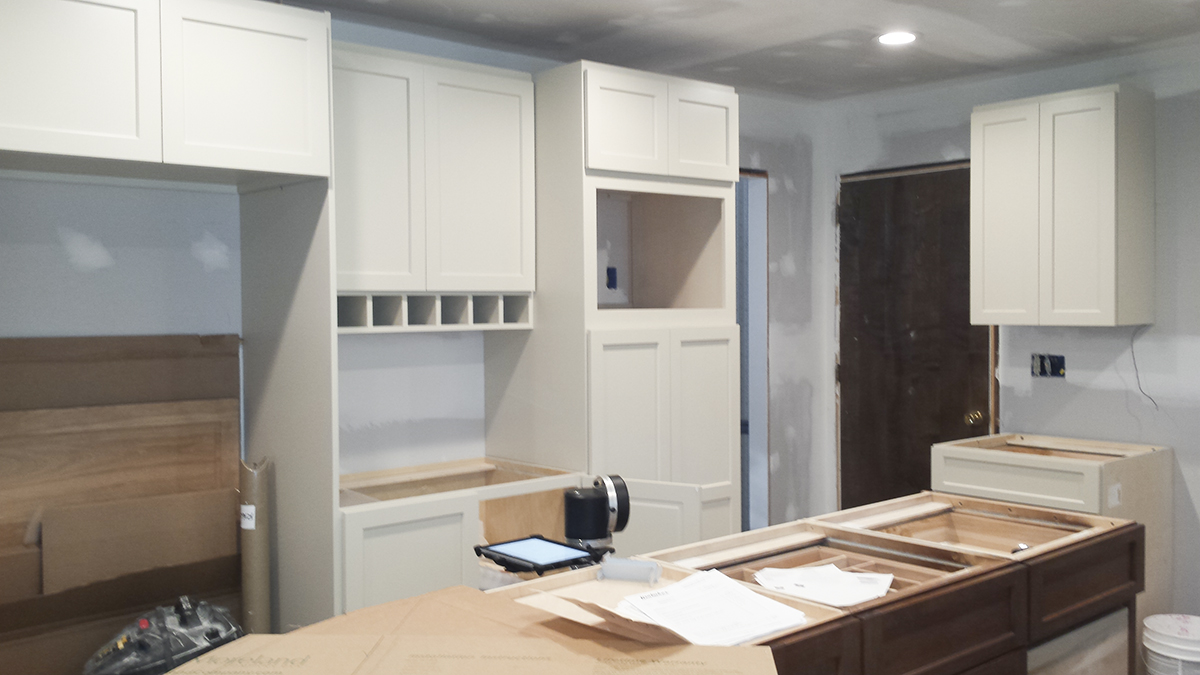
(248, 516)
(709, 608)
(825, 584)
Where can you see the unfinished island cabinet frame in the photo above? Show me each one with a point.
(435, 164)
(1062, 209)
(82, 79)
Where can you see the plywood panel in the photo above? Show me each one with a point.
(90, 371)
(102, 453)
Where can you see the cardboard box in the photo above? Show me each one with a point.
(20, 573)
(96, 542)
(299, 654)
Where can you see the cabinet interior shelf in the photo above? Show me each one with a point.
(392, 313)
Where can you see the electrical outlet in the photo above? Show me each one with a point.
(1048, 365)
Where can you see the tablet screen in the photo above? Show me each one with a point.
(539, 551)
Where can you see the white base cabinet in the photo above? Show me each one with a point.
(1062, 210)
(401, 547)
(434, 173)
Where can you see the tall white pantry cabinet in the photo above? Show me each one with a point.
(632, 367)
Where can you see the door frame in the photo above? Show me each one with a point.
(993, 425)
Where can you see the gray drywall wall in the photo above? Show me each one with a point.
(96, 256)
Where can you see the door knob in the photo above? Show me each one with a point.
(973, 418)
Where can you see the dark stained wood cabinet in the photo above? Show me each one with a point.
(1074, 585)
(950, 629)
(834, 648)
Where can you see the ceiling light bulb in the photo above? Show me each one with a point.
(896, 38)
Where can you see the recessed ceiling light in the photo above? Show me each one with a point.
(896, 38)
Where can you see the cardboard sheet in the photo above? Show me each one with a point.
(301, 654)
(96, 542)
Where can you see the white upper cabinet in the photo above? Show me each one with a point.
(379, 169)
(479, 181)
(433, 174)
(245, 86)
(703, 131)
(626, 121)
(80, 78)
(643, 123)
(1062, 210)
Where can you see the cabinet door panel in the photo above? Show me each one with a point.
(629, 395)
(403, 548)
(705, 405)
(661, 515)
(1004, 216)
(703, 132)
(379, 162)
(479, 159)
(720, 510)
(245, 86)
(81, 78)
(626, 122)
(1078, 210)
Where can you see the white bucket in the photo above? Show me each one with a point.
(1172, 644)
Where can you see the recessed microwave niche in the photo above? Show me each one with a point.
(659, 251)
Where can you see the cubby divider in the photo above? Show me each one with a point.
(422, 312)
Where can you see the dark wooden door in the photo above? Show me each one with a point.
(911, 367)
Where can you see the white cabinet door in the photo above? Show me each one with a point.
(705, 405)
(1078, 210)
(379, 173)
(661, 515)
(720, 509)
(81, 78)
(245, 86)
(479, 182)
(401, 548)
(626, 121)
(629, 400)
(1004, 215)
(703, 126)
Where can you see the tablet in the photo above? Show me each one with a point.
(536, 554)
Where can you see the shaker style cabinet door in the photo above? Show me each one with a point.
(703, 132)
(1004, 215)
(81, 78)
(479, 182)
(629, 402)
(379, 169)
(626, 121)
(663, 515)
(404, 547)
(705, 404)
(245, 86)
(1078, 210)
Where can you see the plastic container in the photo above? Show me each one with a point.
(1171, 644)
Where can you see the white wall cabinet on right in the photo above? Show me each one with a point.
(1062, 209)
(434, 169)
(644, 123)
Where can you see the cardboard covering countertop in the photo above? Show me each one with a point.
(461, 630)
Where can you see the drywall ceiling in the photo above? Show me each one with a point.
(817, 49)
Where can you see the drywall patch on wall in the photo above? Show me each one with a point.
(409, 399)
(105, 258)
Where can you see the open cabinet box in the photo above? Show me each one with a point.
(413, 530)
(1081, 566)
(827, 643)
(947, 610)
